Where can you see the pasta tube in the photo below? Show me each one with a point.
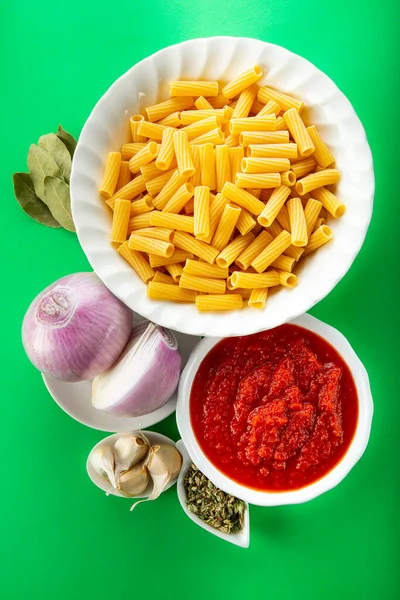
(317, 239)
(201, 212)
(163, 291)
(245, 102)
(311, 213)
(218, 302)
(254, 280)
(207, 166)
(183, 154)
(322, 155)
(202, 269)
(317, 180)
(299, 132)
(288, 150)
(232, 251)
(121, 216)
(143, 157)
(244, 260)
(150, 130)
(179, 199)
(172, 221)
(152, 246)
(222, 165)
(193, 88)
(225, 227)
(273, 206)
(242, 198)
(258, 298)
(266, 123)
(111, 174)
(166, 152)
(159, 111)
(196, 247)
(298, 224)
(271, 252)
(124, 176)
(329, 201)
(285, 102)
(137, 261)
(169, 189)
(202, 284)
(265, 165)
(244, 80)
(135, 122)
(258, 180)
(248, 138)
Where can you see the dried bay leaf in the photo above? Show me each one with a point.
(30, 202)
(41, 164)
(67, 139)
(59, 152)
(59, 202)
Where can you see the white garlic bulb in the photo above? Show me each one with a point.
(102, 461)
(134, 482)
(129, 450)
(163, 464)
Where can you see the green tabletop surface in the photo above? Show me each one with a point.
(61, 537)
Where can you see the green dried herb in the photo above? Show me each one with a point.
(30, 203)
(212, 505)
(54, 146)
(44, 192)
(58, 201)
(67, 139)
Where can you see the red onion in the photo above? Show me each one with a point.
(76, 328)
(144, 377)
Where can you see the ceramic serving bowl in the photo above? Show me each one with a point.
(223, 58)
(241, 538)
(154, 438)
(333, 477)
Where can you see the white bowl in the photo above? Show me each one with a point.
(242, 538)
(331, 479)
(154, 438)
(223, 58)
(76, 399)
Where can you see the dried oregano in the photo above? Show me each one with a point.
(212, 505)
(44, 192)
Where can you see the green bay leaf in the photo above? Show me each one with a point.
(41, 164)
(67, 139)
(30, 202)
(59, 202)
(59, 152)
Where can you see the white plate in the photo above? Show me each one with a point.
(154, 438)
(331, 479)
(223, 58)
(76, 399)
(242, 538)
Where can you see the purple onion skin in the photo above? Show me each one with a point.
(76, 328)
(155, 389)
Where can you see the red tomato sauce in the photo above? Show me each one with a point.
(276, 410)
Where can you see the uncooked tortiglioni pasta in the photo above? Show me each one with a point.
(220, 192)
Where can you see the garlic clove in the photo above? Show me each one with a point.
(102, 461)
(129, 450)
(134, 481)
(163, 464)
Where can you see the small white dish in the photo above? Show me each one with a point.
(76, 399)
(223, 58)
(241, 538)
(154, 438)
(333, 477)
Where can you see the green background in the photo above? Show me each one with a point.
(60, 536)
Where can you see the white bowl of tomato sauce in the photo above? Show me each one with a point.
(277, 417)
